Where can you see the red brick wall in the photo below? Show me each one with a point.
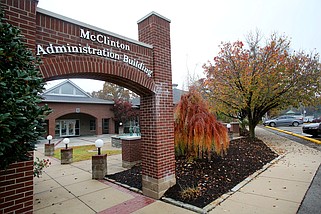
(157, 121)
(16, 188)
(22, 14)
(131, 150)
(61, 32)
(96, 110)
(16, 183)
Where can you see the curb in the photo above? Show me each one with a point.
(226, 195)
(294, 134)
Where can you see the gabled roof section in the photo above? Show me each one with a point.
(69, 92)
(67, 88)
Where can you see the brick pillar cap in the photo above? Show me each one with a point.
(151, 14)
(99, 156)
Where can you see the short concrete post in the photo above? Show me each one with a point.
(66, 155)
(230, 135)
(235, 128)
(49, 149)
(99, 166)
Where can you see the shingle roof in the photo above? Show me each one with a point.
(71, 99)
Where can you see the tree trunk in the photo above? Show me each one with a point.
(252, 130)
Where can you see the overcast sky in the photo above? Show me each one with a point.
(198, 27)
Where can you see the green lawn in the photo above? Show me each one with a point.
(81, 153)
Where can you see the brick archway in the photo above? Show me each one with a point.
(64, 67)
(71, 49)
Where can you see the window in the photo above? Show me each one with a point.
(92, 125)
(67, 89)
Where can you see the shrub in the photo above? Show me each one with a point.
(190, 193)
(20, 86)
(39, 165)
(197, 133)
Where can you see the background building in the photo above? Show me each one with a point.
(76, 113)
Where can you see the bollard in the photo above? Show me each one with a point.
(66, 155)
(49, 149)
(99, 166)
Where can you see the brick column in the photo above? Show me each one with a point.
(157, 120)
(16, 183)
(16, 188)
(99, 126)
(52, 127)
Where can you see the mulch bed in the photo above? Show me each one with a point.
(204, 181)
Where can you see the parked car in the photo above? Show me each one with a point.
(313, 129)
(283, 121)
(308, 119)
(316, 120)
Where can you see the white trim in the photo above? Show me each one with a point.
(153, 13)
(91, 27)
(66, 101)
(48, 92)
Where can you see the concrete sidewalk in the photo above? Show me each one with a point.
(282, 187)
(70, 188)
(279, 189)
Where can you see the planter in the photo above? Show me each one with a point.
(99, 166)
(116, 142)
(131, 151)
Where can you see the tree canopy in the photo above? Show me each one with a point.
(248, 81)
(112, 91)
(124, 111)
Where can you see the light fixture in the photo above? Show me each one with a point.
(66, 141)
(49, 138)
(99, 143)
(228, 126)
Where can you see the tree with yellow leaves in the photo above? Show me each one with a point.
(249, 81)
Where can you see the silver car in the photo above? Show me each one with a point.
(283, 121)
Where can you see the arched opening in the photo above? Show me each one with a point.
(71, 49)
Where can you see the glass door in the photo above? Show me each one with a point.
(67, 128)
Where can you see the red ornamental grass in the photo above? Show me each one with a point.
(197, 132)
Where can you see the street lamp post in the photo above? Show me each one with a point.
(66, 141)
(99, 143)
(49, 138)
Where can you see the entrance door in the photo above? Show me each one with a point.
(67, 128)
(105, 126)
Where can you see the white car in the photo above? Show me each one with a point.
(283, 121)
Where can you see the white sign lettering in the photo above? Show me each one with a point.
(101, 52)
